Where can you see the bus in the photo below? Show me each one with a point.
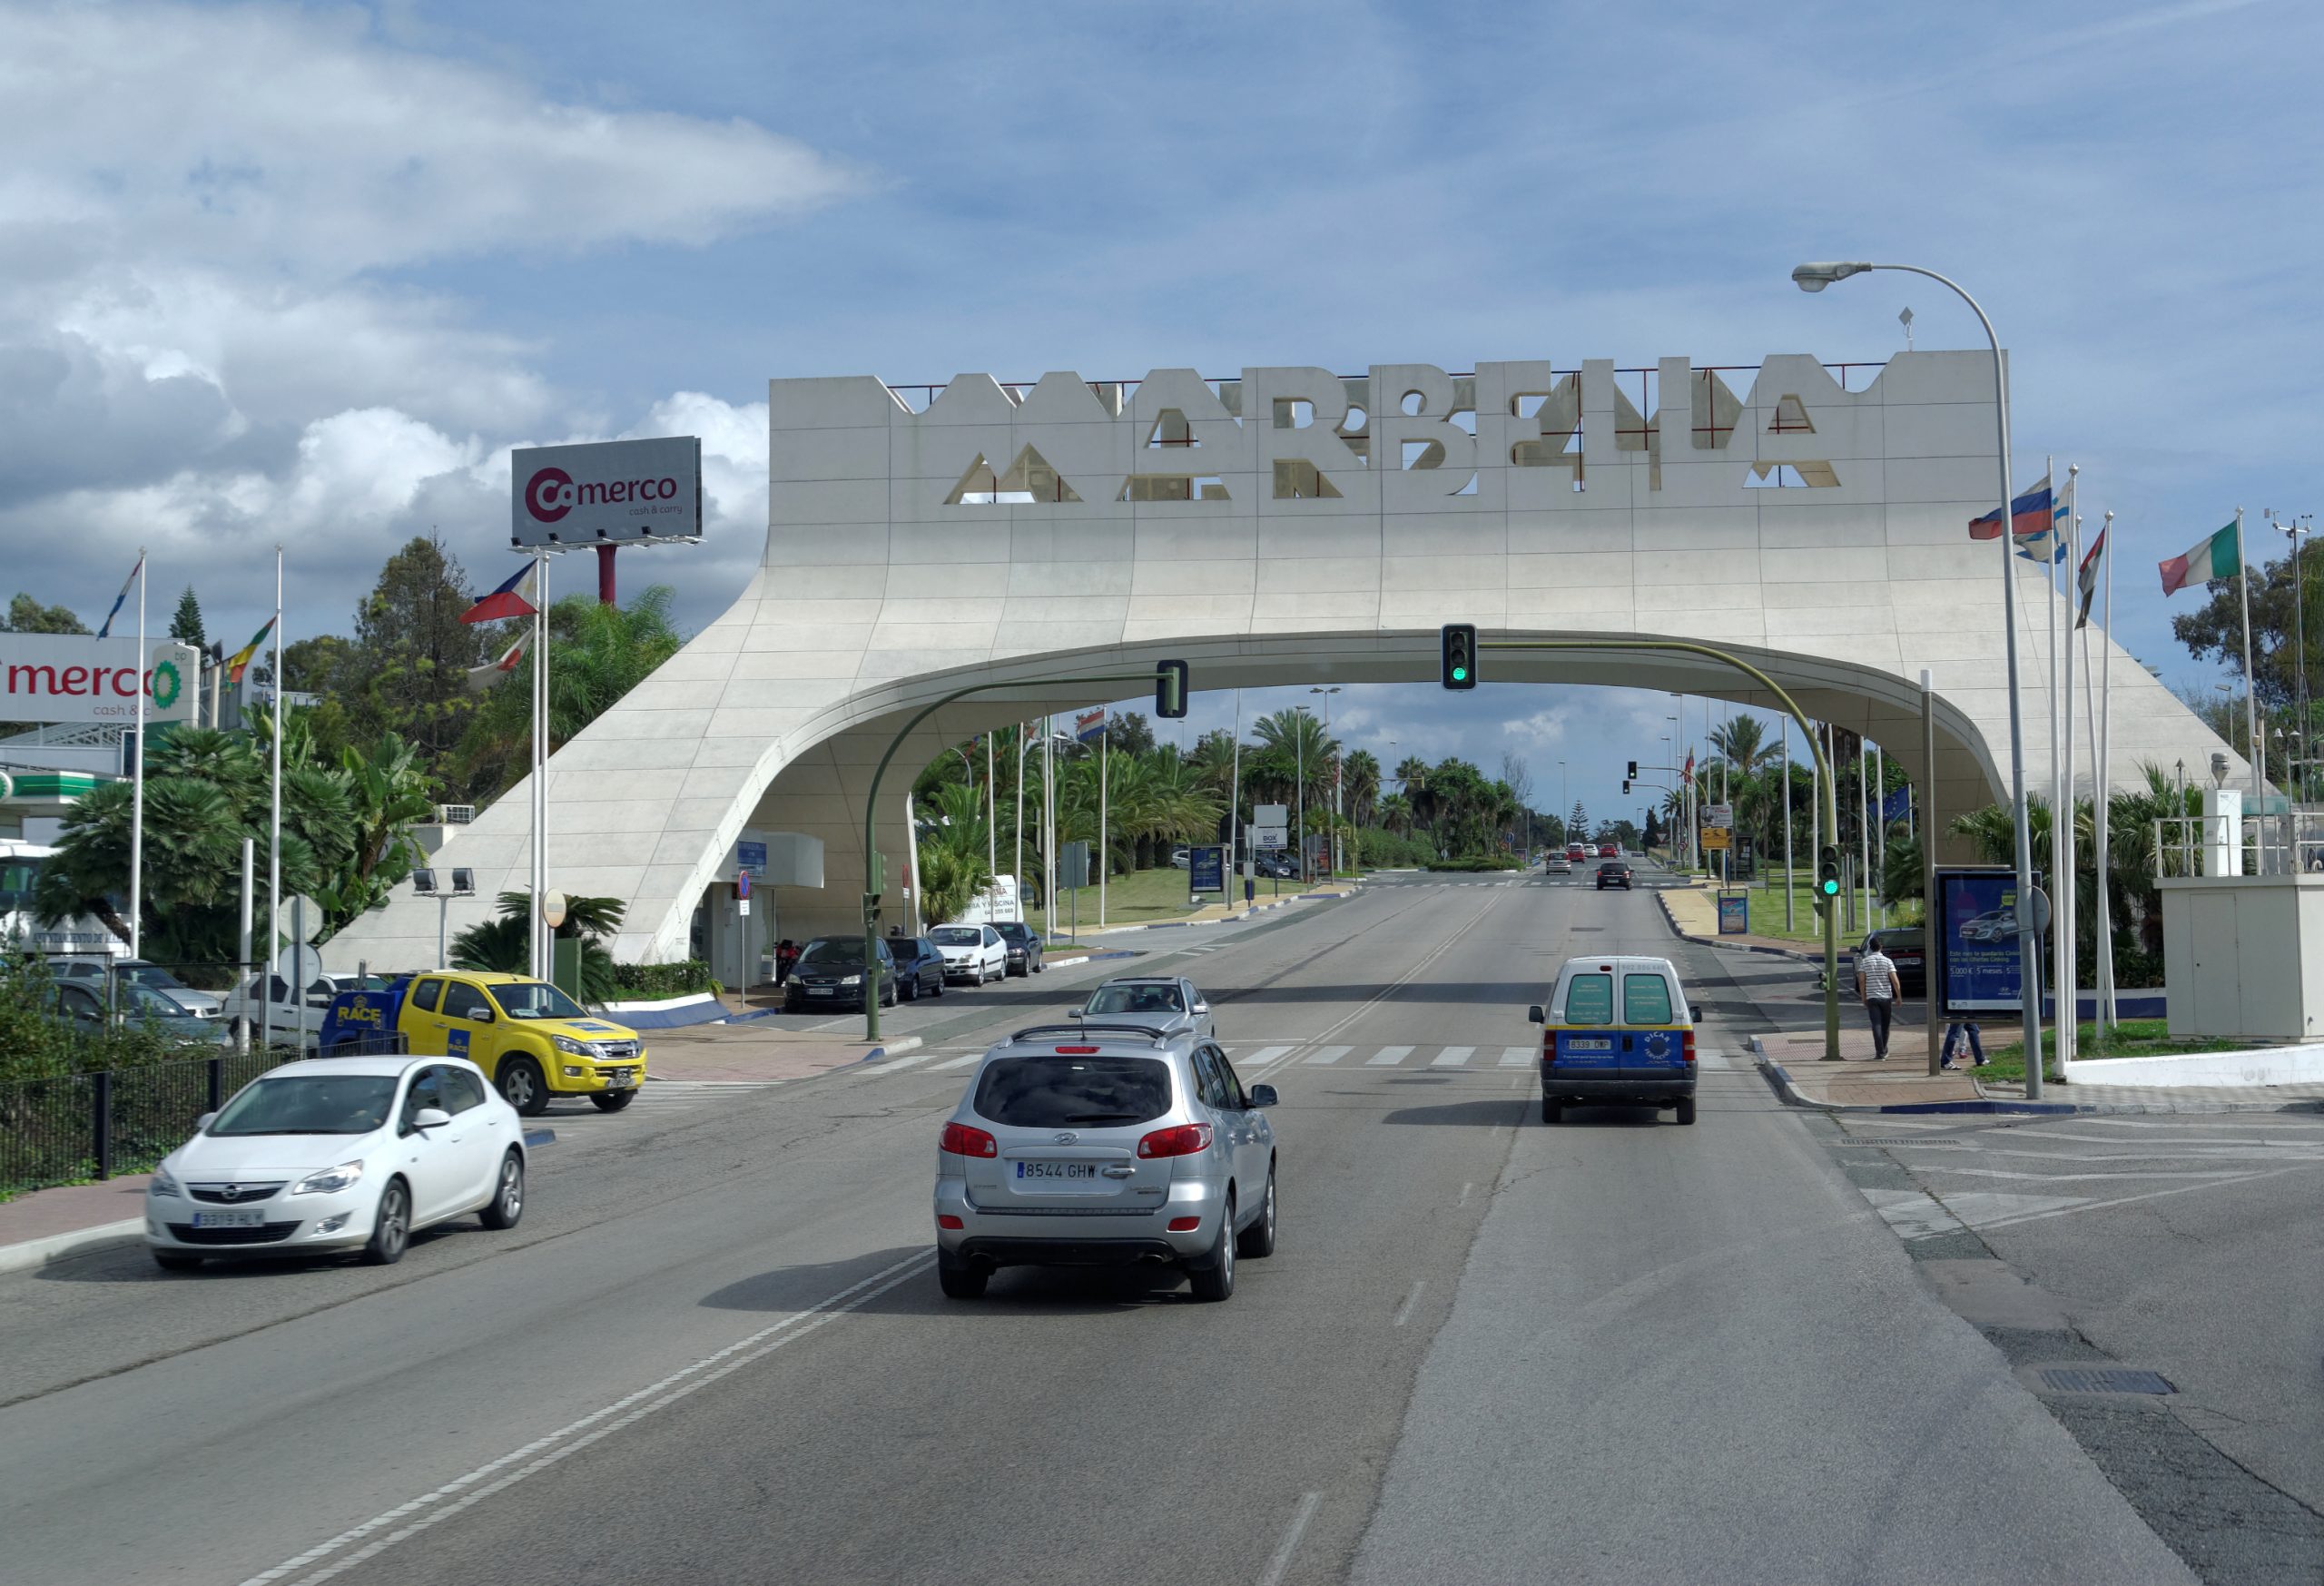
(20, 864)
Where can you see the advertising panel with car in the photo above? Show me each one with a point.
(1977, 968)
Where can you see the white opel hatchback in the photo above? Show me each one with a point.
(339, 1154)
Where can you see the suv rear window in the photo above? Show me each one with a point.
(1589, 999)
(1055, 1091)
(1645, 1000)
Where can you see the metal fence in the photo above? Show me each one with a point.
(80, 1126)
(2279, 842)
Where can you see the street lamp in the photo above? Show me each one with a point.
(1337, 773)
(1815, 276)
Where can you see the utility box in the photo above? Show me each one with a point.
(2235, 957)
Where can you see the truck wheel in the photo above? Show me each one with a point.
(613, 1100)
(523, 1086)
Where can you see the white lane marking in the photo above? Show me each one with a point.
(544, 1452)
(1410, 975)
(2092, 1205)
(1387, 1057)
(1517, 1057)
(1465, 1189)
(873, 1070)
(1290, 1543)
(1405, 1311)
(958, 1062)
(1330, 1054)
(1453, 1057)
(1264, 1055)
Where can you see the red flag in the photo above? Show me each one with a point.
(503, 602)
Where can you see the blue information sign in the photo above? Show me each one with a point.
(1978, 950)
(1207, 870)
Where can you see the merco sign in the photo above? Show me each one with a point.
(73, 677)
(615, 492)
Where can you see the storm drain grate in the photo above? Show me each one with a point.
(2084, 1379)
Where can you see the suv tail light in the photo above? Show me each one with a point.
(1184, 1141)
(1686, 1046)
(960, 1140)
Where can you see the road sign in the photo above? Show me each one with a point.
(299, 966)
(298, 918)
(553, 909)
(743, 886)
(1719, 815)
(1073, 865)
(1715, 839)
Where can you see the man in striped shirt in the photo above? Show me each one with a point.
(1875, 985)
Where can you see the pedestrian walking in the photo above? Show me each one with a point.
(1961, 1032)
(1875, 986)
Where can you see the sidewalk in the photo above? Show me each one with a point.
(1856, 1081)
(754, 1052)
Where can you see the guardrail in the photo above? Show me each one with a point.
(79, 1127)
(2281, 842)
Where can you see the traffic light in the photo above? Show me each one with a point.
(1170, 690)
(1828, 873)
(1626, 781)
(1629, 776)
(1460, 668)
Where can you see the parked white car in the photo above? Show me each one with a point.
(286, 1012)
(337, 1155)
(974, 953)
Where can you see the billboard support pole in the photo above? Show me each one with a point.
(1930, 923)
(137, 774)
(606, 574)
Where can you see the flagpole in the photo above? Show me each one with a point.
(991, 828)
(1235, 790)
(539, 953)
(2069, 881)
(1105, 752)
(2259, 750)
(137, 779)
(2104, 757)
(274, 836)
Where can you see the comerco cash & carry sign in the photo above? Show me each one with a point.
(611, 492)
(74, 677)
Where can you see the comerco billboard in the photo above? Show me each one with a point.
(73, 677)
(613, 492)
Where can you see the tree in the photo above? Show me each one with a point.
(597, 654)
(186, 625)
(27, 615)
(1362, 773)
(502, 946)
(409, 673)
(1578, 822)
(1742, 741)
(1653, 831)
(1130, 733)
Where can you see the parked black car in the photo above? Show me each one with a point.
(1024, 947)
(829, 974)
(1907, 947)
(920, 967)
(1614, 873)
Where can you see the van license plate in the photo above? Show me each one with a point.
(243, 1217)
(1588, 1044)
(1078, 1171)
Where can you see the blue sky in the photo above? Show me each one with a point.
(305, 272)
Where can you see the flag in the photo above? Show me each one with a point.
(1088, 724)
(1690, 766)
(239, 662)
(1893, 806)
(107, 629)
(483, 677)
(506, 601)
(2215, 556)
(2028, 514)
(2087, 577)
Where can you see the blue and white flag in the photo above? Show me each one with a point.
(2048, 545)
(1896, 804)
(107, 630)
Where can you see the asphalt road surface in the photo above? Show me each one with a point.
(1487, 1349)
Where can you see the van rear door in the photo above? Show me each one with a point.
(1582, 1043)
(1654, 1042)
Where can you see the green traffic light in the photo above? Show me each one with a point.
(1460, 673)
(1831, 889)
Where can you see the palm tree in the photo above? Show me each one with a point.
(1742, 741)
(597, 654)
(1360, 772)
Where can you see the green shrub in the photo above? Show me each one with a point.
(36, 1044)
(1473, 864)
(647, 982)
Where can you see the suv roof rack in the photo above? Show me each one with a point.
(1153, 1037)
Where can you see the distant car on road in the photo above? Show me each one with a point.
(974, 953)
(1088, 1145)
(1557, 864)
(1576, 851)
(1616, 1032)
(1610, 851)
(339, 1155)
(1024, 944)
(1614, 873)
(920, 967)
(1155, 1002)
(1906, 946)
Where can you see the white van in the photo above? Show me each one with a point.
(1618, 1032)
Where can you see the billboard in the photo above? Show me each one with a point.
(609, 492)
(76, 677)
(1206, 870)
(1976, 966)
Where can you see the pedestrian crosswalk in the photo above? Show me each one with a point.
(1253, 1058)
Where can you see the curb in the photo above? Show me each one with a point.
(890, 1048)
(1789, 1092)
(1798, 954)
(26, 1254)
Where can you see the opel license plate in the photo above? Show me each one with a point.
(247, 1216)
(1084, 1171)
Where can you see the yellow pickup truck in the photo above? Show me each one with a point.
(530, 1038)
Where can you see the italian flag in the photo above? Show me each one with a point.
(2216, 556)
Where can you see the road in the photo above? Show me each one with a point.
(1487, 1349)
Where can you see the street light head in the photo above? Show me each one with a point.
(1815, 277)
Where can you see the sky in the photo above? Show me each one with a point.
(305, 273)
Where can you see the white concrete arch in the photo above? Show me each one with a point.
(1815, 523)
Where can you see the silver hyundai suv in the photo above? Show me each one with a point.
(1099, 1145)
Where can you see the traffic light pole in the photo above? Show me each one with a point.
(1831, 801)
(872, 807)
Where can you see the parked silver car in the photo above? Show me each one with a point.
(1102, 1145)
(1155, 1002)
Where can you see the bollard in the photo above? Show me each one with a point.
(102, 1093)
(217, 1084)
